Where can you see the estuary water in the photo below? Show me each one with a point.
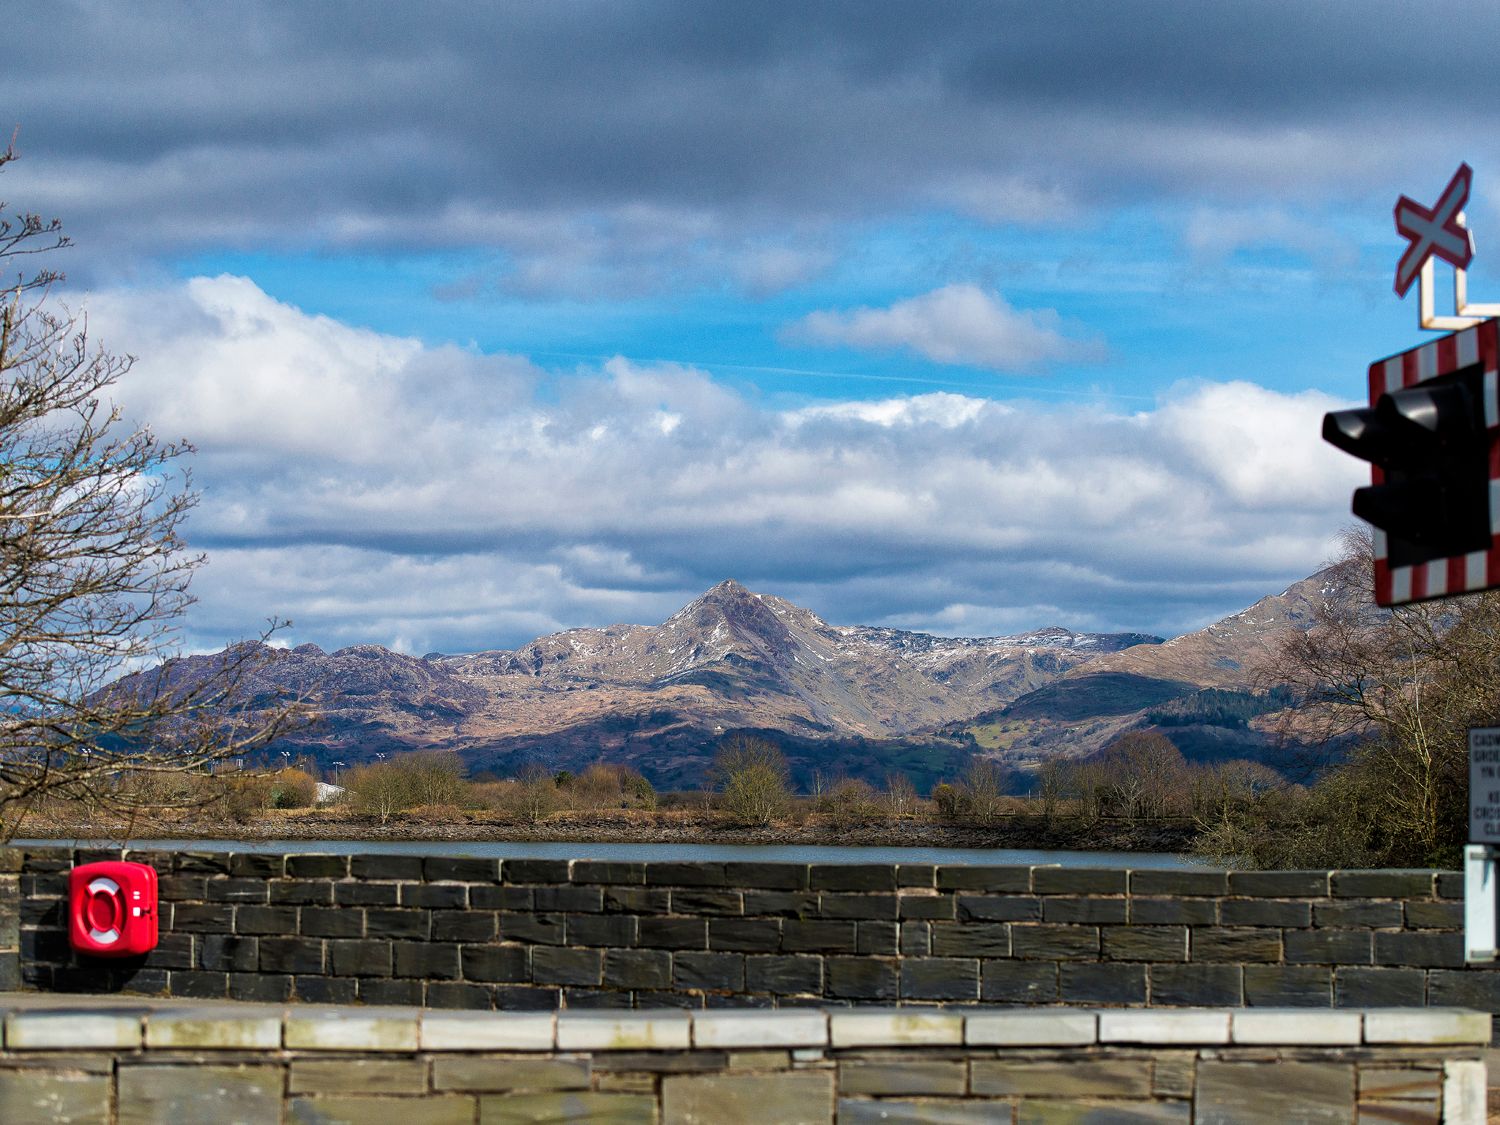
(659, 853)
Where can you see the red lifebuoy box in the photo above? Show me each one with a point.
(112, 909)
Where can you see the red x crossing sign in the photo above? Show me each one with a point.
(1434, 232)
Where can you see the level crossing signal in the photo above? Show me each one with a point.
(1430, 435)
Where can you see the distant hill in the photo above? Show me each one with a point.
(841, 699)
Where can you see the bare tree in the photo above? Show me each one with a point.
(752, 775)
(94, 573)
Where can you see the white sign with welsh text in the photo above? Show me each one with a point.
(1484, 785)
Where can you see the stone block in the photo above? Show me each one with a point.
(923, 1111)
(1379, 988)
(1429, 1026)
(818, 937)
(861, 978)
(927, 906)
(1115, 982)
(463, 925)
(474, 1031)
(1040, 941)
(1056, 1028)
(203, 918)
(611, 1031)
(608, 871)
(492, 1075)
(1349, 914)
(218, 1029)
(998, 880)
(433, 896)
(852, 877)
(1328, 947)
(198, 984)
(151, 1094)
(1084, 910)
(1382, 884)
(366, 894)
(1273, 1091)
(768, 876)
(1179, 884)
(1196, 986)
(1144, 943)
(1420, 949)
(318, 989)
(458, 994)
(723, 972)
(674, 933)
(210, 863)
(483, 896)
(785, 975)
(1296, 1027)
(939, 978)
(301, 892)
(1072, 1111)
(916, 875)
(856, 906)
(748, 1099)
(1288, 986)
(1463, 988)
(317, 866)
(877, 939)
(399, 993)
(555, 965)
(55, 1096)
(999, 908)
(600, 929)
(915, 939)
(429, 960)
(1435, 915)
(781, 904)
(974, 939)
(534, 929)
(392, 867)
(1185, 1028)
(1018, 982)
(54, 1029)
(345, 1029)
(1401, 1083)
(568, 899)
(237, 890)
(331, 921)
(746, 935)
(1264, 912)
(731, 1029)
(1207, 943)
(357, 1076)
(686, 875)
(895, 1027)
(461, 869)
(260, 987)
(637, 968)
(1054, 880)
(1279, 884)
(353, 1109)
(698, 901)
(185, 888)
(290, 955)
(535, 871)
(583, 1105)
(228, 953)
(1172, 911)
(1078, 1077)
(507, 963)
(1465, 1096)
(941, 1077)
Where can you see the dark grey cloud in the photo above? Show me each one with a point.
(165, 127)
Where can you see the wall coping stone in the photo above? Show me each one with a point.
(64, 1024)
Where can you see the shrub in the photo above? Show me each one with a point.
(752, 775)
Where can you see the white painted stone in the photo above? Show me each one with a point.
(878, 1027)
(1049, 1028)
(1164, 1025)
(352, 1029)
(623, 1031)
(488, 1031)
(1297, 1027)
(1464, 1092)
(214, 1028)
(1426, 1025)
(789, 1027)
(63, 1028)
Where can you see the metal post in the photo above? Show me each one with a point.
(1479, 903)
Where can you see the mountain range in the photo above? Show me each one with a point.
(840, 699)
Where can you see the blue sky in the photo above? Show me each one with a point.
(490, 321)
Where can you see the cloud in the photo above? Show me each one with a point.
(957, 324)
(374, 488)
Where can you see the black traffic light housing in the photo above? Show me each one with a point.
(1429, 434)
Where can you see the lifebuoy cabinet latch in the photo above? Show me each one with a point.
(112, 909)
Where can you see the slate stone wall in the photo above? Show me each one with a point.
(542, 934)
(176, 1060)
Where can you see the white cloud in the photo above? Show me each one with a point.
(957, 324)
(376, 489)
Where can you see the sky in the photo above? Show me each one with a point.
(488, 321)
